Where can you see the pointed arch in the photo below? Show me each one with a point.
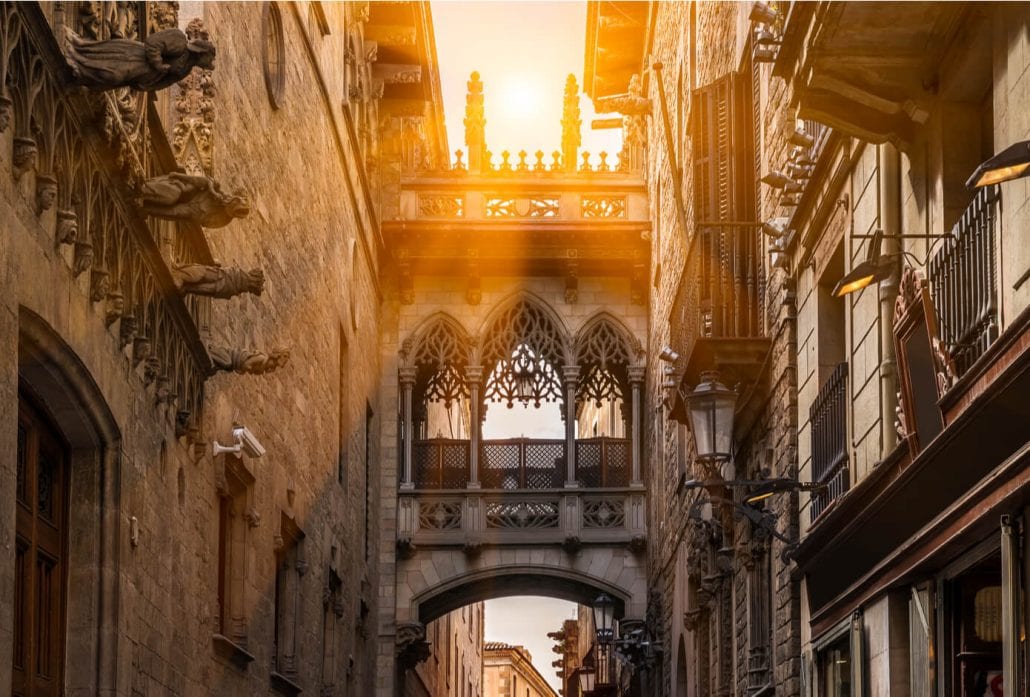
(439, 351)
(604, 351)
(523, 348)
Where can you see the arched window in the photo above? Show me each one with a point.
(603, 389)
(274, 53)
(523, 356)
(441, 391)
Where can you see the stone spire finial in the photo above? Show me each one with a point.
(475, 123)
(570, 124)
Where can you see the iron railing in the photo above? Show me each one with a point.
(828, 419)
(719, 291)
(963, 281)
(520, 463)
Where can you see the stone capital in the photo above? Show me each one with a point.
(407, 375)
(636, 373)
(570, 373)
(474, 374)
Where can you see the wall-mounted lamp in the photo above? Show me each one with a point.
(712, 408)
(875, 268)
(776, 227)
(800, 138)
(765, 37)
(668, 355)
(778, 180)
(764, 54)
(762, 13)
(1011, 163)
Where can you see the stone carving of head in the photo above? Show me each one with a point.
(204, 53)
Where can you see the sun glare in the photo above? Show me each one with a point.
(521, 98)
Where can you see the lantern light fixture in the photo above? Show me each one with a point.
(712, 407)
(762, 13)
(778, 180)
(801, 138)
(604, 619)
(776, 228)
(668, 355)
(1011, 163)
(587, 679)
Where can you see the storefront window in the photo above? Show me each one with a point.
(835, 669)
(973, 612)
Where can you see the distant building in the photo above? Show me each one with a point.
(508, 672)
(455, 666)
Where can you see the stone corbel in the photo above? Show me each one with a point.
(571, 278)
(411, 645)
(217, 281)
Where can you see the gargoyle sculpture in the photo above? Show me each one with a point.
(194, 198)
(159, 61)
(217, 281)
(250, 361)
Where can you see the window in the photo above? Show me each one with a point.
(274, 54)
(369, 442)
(835, 669)
(289, 570)
(343, 424)
(234, 522)
(39, 568)
(332, 614)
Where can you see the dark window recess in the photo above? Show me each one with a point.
(828, 418)
(290, 569)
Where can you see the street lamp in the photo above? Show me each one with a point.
(875, 268)
(711, 406)
(587, 679)
(1011, 163)
(604, 619)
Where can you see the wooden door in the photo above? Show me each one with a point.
(39, 577)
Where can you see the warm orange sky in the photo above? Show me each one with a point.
(523, 52)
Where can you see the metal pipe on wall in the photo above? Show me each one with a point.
(890, 223)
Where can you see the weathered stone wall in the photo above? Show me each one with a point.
(318, 253)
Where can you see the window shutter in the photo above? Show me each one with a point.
(919, 641)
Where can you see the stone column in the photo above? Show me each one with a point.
(636, 380)
(407, 377)
(570, 375)
(474, 377)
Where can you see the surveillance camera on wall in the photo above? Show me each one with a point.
(246, 442)
(668, 355)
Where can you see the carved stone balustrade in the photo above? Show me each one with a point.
(476, 518)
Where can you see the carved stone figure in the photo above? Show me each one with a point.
(198, 199)
(217, 281)
(67, 226)
(46, 192)
(159, 61)
(249, 361)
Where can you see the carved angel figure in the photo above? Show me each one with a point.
(249, 361)
(218, 281)
(198, 199)
(159, 61)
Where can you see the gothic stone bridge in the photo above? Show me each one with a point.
(519, 284)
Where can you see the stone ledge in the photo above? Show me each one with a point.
(283, 685)
(231, 651)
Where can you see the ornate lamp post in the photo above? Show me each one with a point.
(604, 629)
(711, 406)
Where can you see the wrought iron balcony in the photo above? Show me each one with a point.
(521, 463)
(828, 418)
(963, 282)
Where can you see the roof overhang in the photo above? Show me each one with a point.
(616, 41)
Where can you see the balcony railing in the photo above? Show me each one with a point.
(963, 281)
(828, 417)
(521, 463)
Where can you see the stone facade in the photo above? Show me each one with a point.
(139, 414)
(455, 666)
(508, 671)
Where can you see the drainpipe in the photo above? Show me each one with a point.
(890, 223)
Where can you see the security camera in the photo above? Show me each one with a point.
(668, 355)
(245, 442)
